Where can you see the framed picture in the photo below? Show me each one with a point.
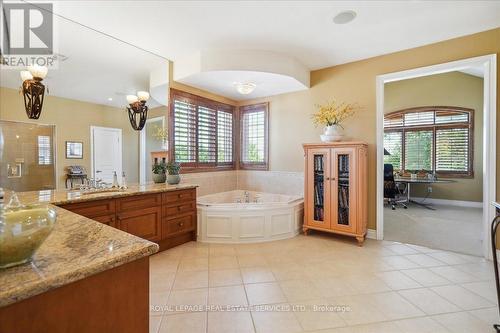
(74, 149)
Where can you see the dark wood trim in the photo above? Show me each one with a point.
(434, 127)
(255, 108)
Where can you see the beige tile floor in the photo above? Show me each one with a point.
(320, 283)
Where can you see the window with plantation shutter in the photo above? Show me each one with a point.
(203, 133)
(432, 139)
(207, 135)
(418, 150)
(452, 149)
(225, 137)
(254, 136)
(184, 131)
(44, 150)
(393, 143)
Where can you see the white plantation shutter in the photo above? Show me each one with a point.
(44, 150)
(393, 143)
(452, 149)
(418, 150)
(419, 118)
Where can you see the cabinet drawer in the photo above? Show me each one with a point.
(92, 209)
(144, 223)
(106, 219)
(171, 211)
(178, 196)
(138, 202)
(179, 224)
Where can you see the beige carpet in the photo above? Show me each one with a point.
(448, 228)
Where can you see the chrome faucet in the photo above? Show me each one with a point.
(247, 197)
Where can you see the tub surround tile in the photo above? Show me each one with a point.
(280, 182)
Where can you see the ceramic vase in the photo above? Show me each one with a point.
(332, 133)
(159, 177)
(173, 179)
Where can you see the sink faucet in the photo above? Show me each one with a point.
(247, 197)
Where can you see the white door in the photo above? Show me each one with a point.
(106, 152)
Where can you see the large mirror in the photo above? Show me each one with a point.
(85, 102)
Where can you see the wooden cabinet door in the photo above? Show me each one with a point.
(343, 189)
(318, 204)
(179, 225)
(138, 202)
(93, 208)
(144, 223)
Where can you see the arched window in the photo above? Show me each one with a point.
(432, 139)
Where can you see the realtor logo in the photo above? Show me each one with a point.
(27, 29)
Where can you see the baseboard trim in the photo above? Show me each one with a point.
(371, 234)
(471, 204)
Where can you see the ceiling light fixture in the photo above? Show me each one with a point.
(245, 88)
(110, 99)
(344, 17)
(33, 90)
(137, 109)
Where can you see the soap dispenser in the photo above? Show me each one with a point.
(124, 181)
(115, 180)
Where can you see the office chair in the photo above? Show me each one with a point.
(391, 191)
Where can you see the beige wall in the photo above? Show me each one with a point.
(449, 89)
(73, 120)
(290, 123)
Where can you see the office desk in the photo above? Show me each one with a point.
(409, 182)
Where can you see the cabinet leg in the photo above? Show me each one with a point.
(361, 240)
(305, 230)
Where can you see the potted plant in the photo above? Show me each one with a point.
(332, 115)
(159, 170)
(173, 173)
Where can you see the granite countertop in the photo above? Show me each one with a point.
(77, 248)
(62, 197)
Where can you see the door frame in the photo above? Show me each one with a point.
(92, 128)
(488, 63)
(142, 148)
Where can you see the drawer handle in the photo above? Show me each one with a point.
(181, 224)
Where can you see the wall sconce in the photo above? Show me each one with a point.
(33, 90)
(137, 109)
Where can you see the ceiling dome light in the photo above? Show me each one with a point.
(245, 88)
(344, 17)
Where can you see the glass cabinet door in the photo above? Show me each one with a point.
(343, 192)
(318, 188)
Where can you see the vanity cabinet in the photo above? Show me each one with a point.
(335, 193)
(143, 222)
(168, 218)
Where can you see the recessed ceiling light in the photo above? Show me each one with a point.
(245, 88)
(344, 17)
(110, 99)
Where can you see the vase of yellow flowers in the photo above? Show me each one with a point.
(332, 115)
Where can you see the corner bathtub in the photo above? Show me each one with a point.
(226, 218)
